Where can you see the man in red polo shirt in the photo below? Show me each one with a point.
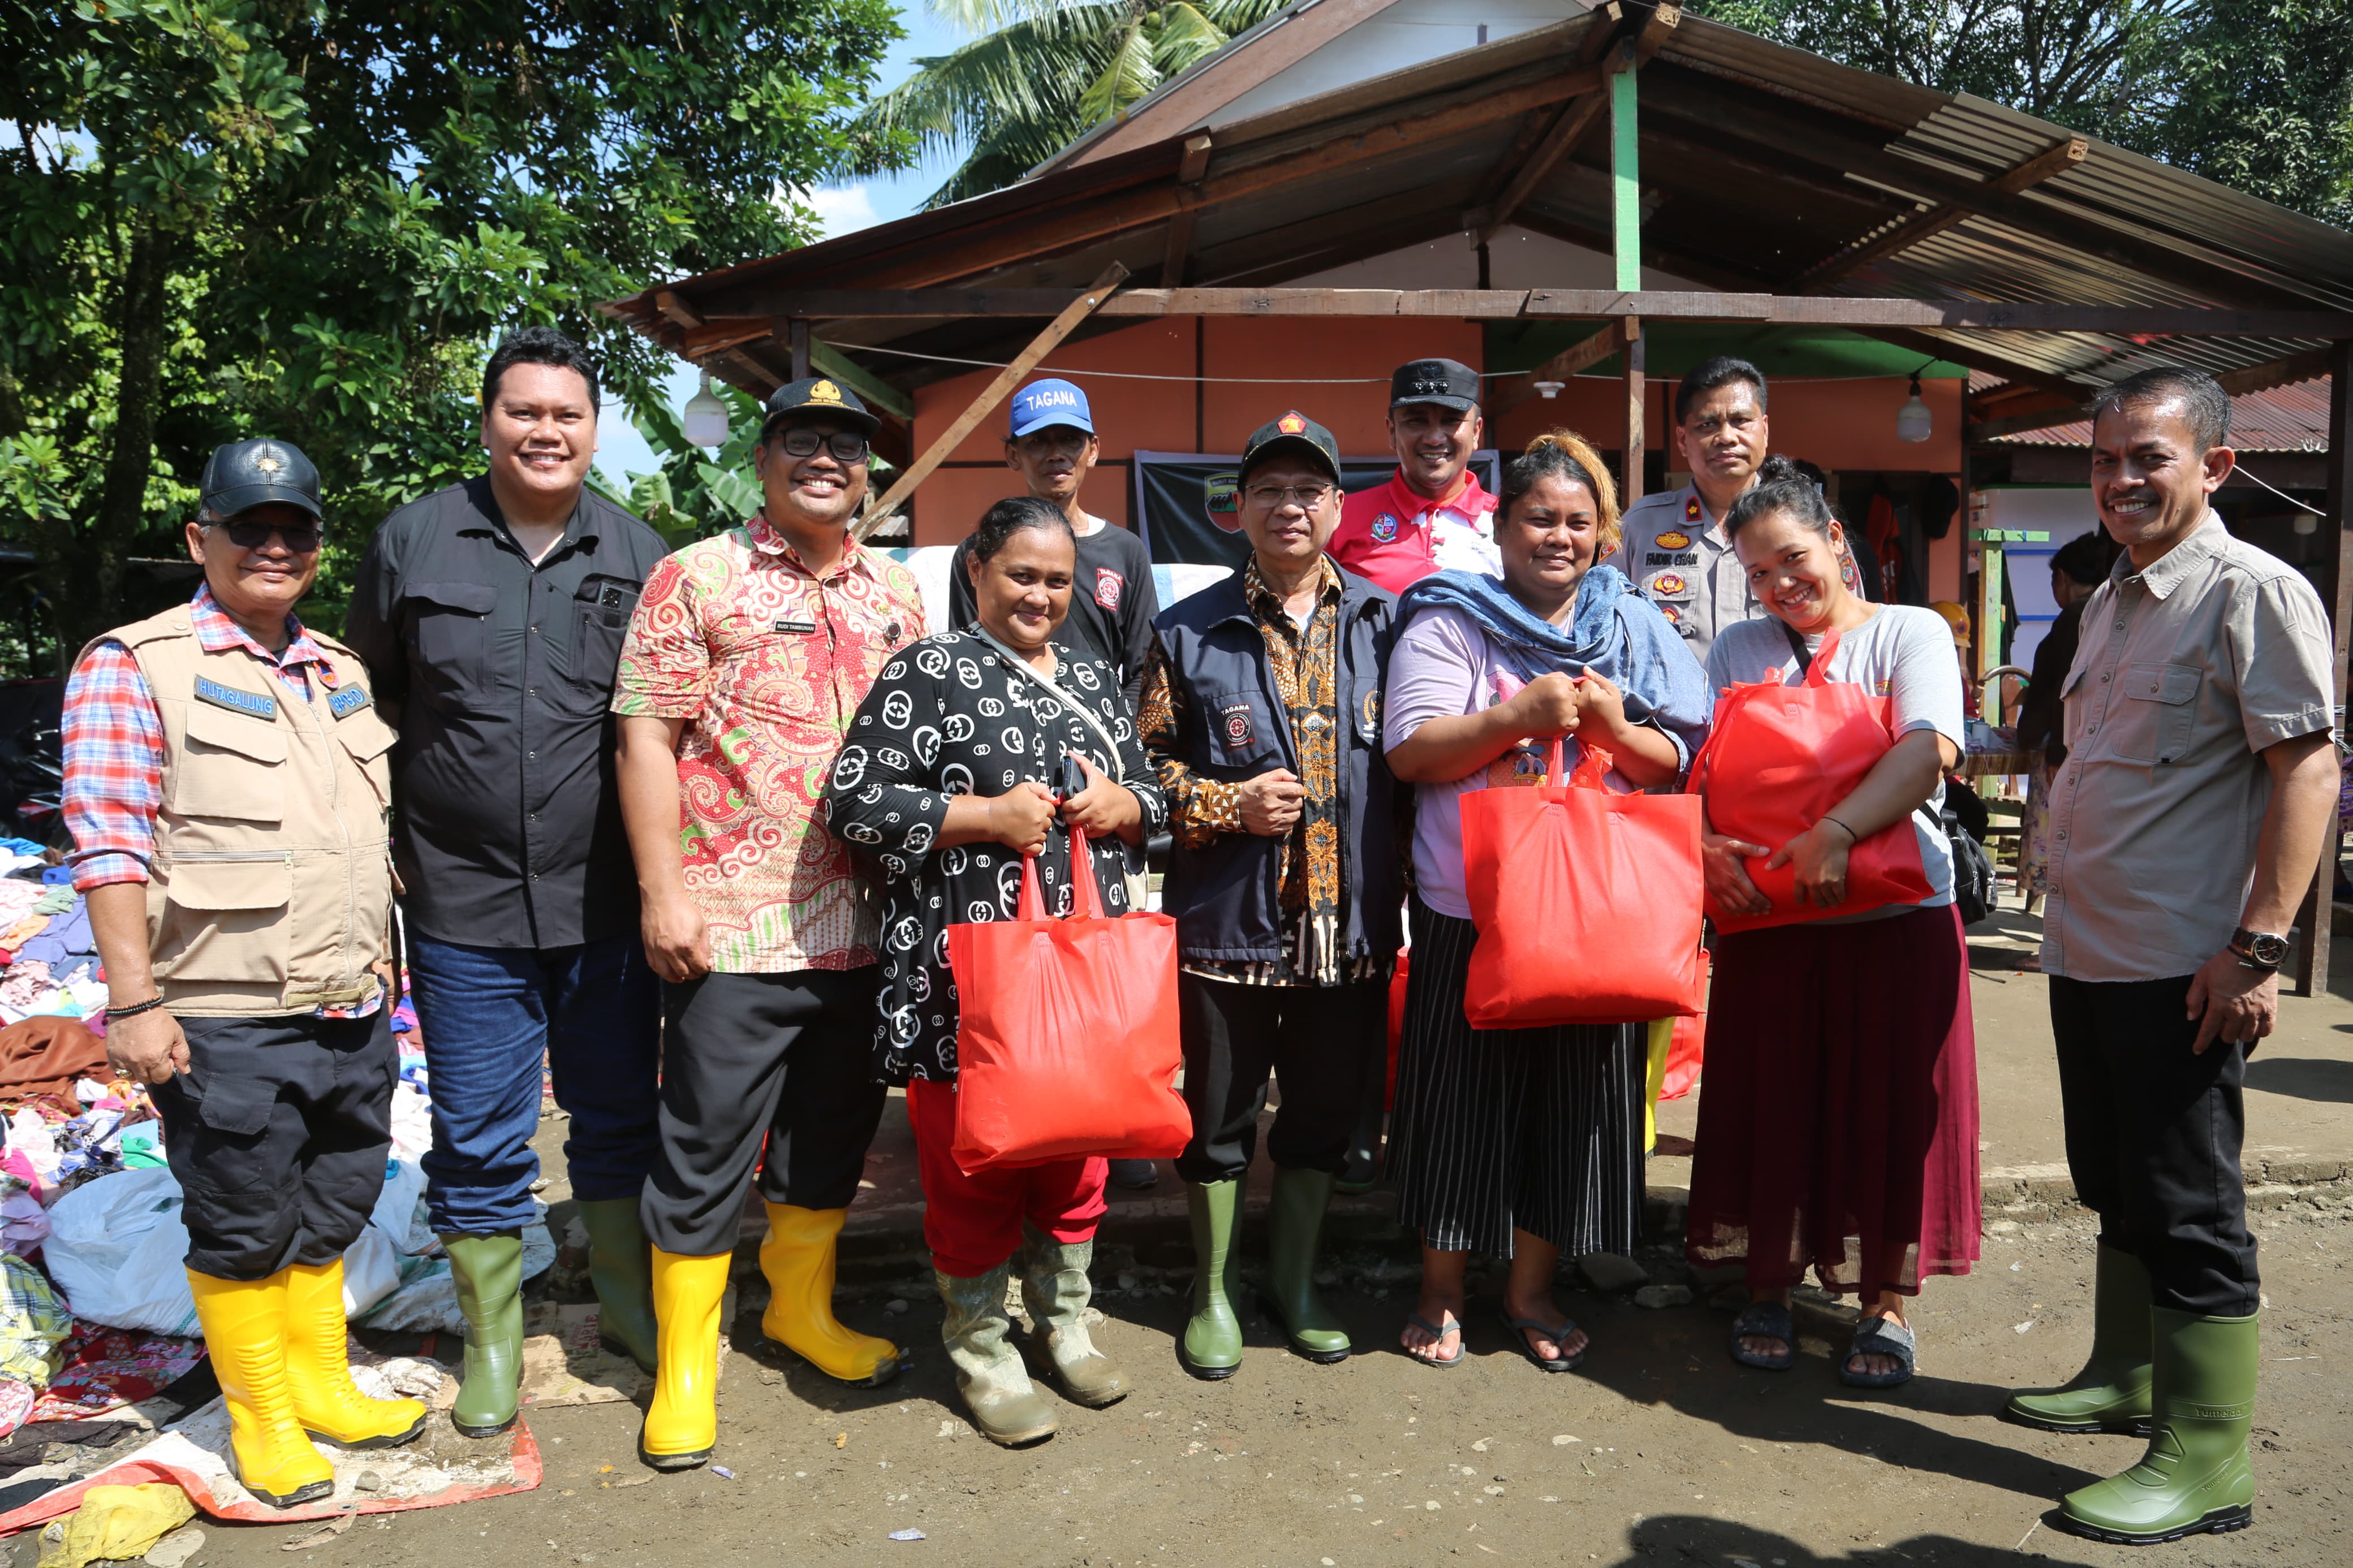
(1433, 515)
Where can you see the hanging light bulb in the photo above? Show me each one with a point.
(1913, 421)
(706, 417)
(1549, 390)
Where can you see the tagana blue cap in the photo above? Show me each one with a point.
(1043, 403)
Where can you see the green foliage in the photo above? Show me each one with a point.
(1037, 74)
(2256, 94)
(695, 493)
(231, 218)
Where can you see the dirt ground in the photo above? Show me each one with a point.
(1659, 1450)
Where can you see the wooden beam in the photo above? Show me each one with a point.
(1625, 179)
(1629, 483)
(1178, 245)
(2286, 372)
(996, 392)
(1568, 130)
(877, 394)
(1524, 167)
(796, 343)
(675, 309)
(2313, 928)
(1976, 358)
(1509, 392)
(2056, 159)
(1657, 28)
(2043, 418)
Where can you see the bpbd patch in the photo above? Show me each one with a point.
(1235, 723)
(252, 704)
(347, 700)
(1108, 586)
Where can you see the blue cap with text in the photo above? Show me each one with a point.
(1046, 403)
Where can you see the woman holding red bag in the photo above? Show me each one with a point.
(944, 785)
(1838, 1128)
(1520, 1143)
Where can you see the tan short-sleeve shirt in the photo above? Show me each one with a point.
(2186, 670)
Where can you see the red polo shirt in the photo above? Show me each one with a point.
(1392, 535)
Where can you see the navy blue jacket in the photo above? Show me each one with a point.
(1224, 897)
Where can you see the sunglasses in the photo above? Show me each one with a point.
(300, 538)
(847, 445)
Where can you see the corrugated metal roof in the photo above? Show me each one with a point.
(2284, 420)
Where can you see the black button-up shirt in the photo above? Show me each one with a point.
(501, 671)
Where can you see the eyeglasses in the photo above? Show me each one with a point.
(801, 441)
(1272, 496)
(301, 538)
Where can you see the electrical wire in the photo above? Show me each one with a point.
(2279, 492)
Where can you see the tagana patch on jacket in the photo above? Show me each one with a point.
(1109, 584)
(1236, 725)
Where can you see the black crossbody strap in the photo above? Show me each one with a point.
(1798, 647)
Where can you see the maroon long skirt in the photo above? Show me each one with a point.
(1838, 1119)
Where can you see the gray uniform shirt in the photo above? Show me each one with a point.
(2186, 670)
(1682, 562)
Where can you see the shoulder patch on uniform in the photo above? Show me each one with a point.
(348, 700)
(252, 704)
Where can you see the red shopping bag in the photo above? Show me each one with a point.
(1780, 756)
(1587, 902)
(1066, 1045)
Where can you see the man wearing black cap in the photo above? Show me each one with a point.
(1261, 711)
(491, 614)
(226, 783)
(748, 656)
(1433, 515)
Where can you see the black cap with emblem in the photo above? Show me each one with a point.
(243, 475)
(1448, 382)
(819, 396)
(1293, 433)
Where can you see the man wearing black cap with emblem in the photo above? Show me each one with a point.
(748, 656)
(1433, 515)
(491, 614)
(1261, 711)
(226, 783)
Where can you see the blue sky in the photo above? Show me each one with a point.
(621, 451)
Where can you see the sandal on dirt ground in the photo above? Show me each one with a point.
(1439, 1334)
(1765, 1321)
(1521, 1327)
(1880, 1336)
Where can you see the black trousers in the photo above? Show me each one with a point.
(780, 1063)
(1321, 1040)
(278, 1133)
(2153, 1136)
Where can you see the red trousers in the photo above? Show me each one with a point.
(973, 1223)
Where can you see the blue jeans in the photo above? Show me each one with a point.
(490, 1015)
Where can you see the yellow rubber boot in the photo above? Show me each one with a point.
(245, 1329)
(798, 1257)
(682, 1423)
(318, 1374)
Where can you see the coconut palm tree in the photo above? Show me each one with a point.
(1040, 72)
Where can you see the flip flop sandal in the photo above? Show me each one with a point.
(1880, 1336)
(1765, 1321)
(1520, 1327)
(1435, 1333)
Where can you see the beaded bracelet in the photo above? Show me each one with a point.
(115, 1014)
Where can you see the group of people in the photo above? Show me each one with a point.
(691, 827)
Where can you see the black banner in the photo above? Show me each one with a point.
(1185, 503)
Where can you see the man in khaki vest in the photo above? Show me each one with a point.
(226, 786)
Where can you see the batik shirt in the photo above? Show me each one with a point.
(766, 661)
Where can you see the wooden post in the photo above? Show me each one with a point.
(1625, 172)
(1630, 482)
(2315, 919)
(997, 392)
(799, 339)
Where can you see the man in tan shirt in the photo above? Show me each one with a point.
(2185, 827)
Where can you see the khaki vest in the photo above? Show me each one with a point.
(271, 890)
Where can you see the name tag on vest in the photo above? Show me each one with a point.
(347, 702)
(252, 704)
(789, 624)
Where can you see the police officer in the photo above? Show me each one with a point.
(226, 788)
(1674, 548)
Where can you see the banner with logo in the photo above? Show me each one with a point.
(1187, 504)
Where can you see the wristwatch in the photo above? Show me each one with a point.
(2259, 949)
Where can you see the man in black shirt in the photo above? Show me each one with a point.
(491, 614)
(1050, 443)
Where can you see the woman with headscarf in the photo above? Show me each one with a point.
(1522, 1144)
(946, 783)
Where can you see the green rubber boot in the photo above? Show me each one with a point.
(1212, 1346)
(2195, 1477)
(489, 1274)
(1294, 1223)
(2111, 1394)
(621, 1266)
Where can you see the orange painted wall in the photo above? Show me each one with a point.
(1836, 423)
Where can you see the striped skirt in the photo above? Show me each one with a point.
(1497, 1130)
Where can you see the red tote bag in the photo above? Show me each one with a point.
(1587, 902)
(1067, 1042)
(1777, 759)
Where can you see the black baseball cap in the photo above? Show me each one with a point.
(243, 475)
(1295, 432)
(819, 395)
(1448, 382)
